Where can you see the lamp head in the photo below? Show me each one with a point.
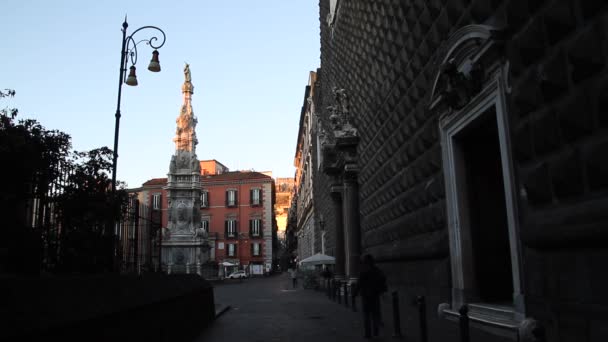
(132, 78)
(322, 222)
(154, 64)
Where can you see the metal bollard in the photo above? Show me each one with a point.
(464, 323)
(422, 316)
(353, 298)
(396, 315)
(345, 293)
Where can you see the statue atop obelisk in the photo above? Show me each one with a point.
(184, 241)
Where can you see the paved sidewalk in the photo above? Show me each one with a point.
(268, 309)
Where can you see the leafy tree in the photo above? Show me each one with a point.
(89, 209)
(30, 154)
(34, 159)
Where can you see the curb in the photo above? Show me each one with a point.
(221, 311)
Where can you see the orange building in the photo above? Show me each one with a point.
(237, 211)
(212, 167)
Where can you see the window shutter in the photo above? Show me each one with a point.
(236, 228)
(260, 196)
(226, 228)
(227, 197)
(251, 196)
(236, 198)
(250, 227)
(251, 249)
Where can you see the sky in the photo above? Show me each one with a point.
(250, 62)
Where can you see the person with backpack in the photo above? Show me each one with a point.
(372, 283)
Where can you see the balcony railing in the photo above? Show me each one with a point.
(256, 234)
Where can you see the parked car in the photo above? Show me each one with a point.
(237, 275)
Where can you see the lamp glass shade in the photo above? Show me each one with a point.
(154, 64)
(132, 78)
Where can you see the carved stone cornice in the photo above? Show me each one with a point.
(351, 172)
(345, 136)
(469, 57)
(335, 191)
(331, 164)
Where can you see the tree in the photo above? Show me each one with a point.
(41, 176)
(29, 154)
(89, 210)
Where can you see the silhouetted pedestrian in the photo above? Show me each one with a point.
(372, 283)
(294, 277)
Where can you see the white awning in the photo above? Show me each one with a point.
(318, 259)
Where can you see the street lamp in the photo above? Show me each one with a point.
(129, 52)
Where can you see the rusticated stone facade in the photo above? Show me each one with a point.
(432, 86)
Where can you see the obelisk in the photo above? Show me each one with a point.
(184, 244)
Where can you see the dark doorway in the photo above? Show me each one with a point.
(487, 209)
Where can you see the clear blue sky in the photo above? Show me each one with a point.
(249, 61)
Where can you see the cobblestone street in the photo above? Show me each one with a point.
(268, 309)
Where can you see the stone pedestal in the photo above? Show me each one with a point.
(185, 258)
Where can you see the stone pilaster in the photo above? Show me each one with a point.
(351, 220)
(340, 266)
(340, 161)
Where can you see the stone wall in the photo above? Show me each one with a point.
(385, 54)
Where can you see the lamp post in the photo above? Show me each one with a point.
(129, 52)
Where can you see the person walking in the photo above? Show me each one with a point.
(294, 277)
(372, 283)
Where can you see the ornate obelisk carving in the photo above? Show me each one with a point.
(184, 243)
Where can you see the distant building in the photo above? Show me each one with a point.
(237, 212)
(284, 193)
(309, 231)
(212, 167)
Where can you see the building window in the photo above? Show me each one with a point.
(205, 226)
(231, 198)
(231, 230)
(156, 202)
(256, 249)
(255, 227)
(204, 199)
(231, 249)
(255, 196)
